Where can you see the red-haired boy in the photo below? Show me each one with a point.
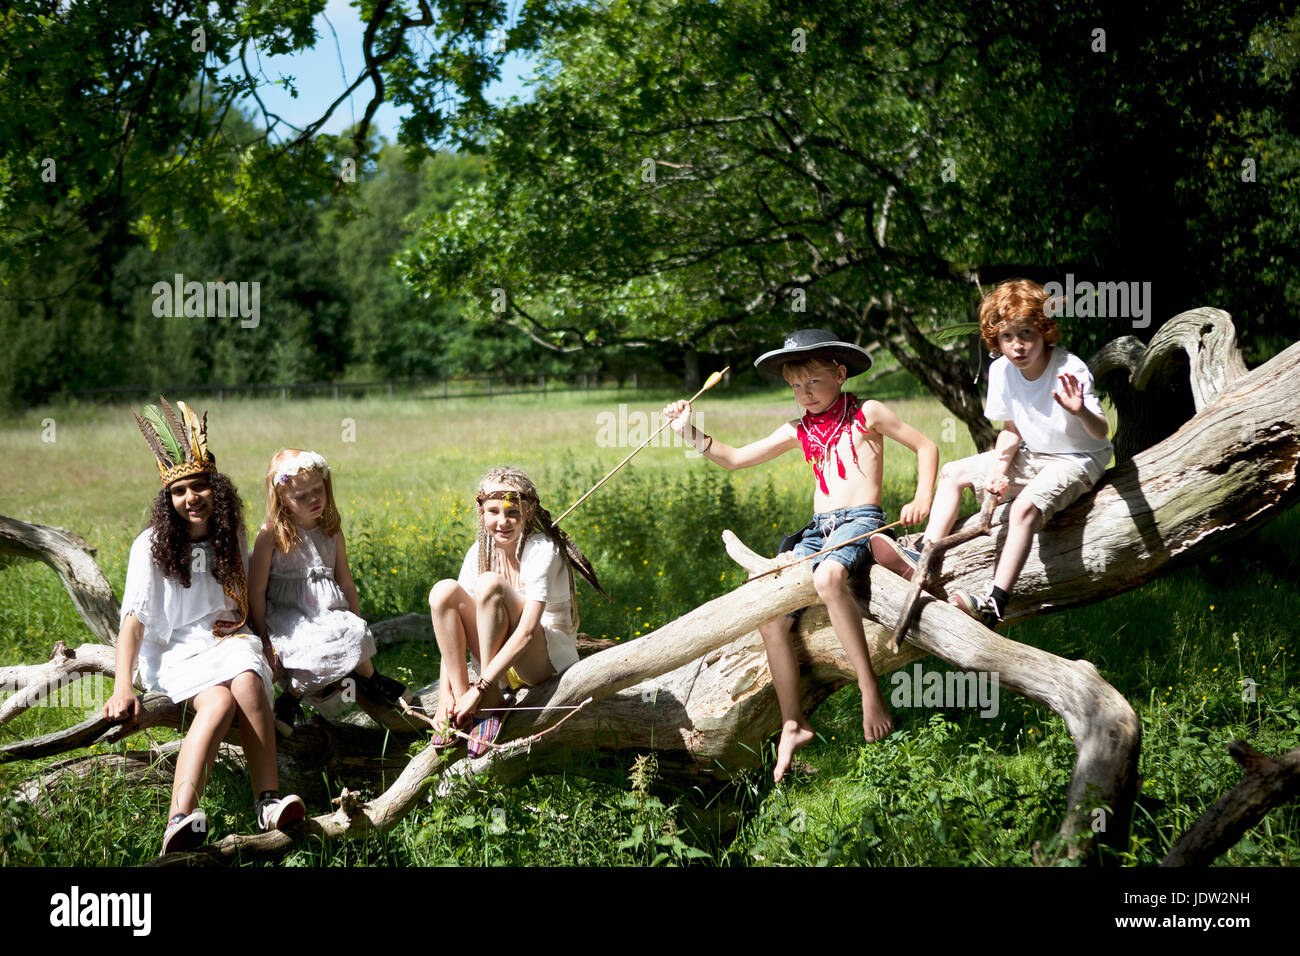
(1052, 447)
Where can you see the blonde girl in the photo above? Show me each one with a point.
(513, 608)
(302, 595)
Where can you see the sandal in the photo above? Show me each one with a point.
(441, 739)
(485, 733)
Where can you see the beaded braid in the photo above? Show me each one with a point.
(535, 520)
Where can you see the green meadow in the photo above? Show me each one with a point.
(947, 788)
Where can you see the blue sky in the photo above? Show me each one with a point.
(319, 77)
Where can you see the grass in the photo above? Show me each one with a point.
(947, 788)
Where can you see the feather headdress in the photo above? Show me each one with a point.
(179, 443)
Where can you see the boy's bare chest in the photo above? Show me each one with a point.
(850, 465)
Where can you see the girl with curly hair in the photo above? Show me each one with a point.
(183, 622)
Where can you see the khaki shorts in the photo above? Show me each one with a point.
(1048, 482)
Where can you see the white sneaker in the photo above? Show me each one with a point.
(276, 813)
(185, 833)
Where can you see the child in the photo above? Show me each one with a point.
(1052, 447)
(303, 597)
(513, 607)
(843, 439)
(183, 618)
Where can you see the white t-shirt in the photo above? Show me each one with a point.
(1044, 425)
(543, 576)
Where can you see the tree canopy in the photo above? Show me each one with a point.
(690, 178)
(706, 175)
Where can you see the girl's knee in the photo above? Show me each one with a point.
(489, 586)
(245, 683)
(217, 703)
(443, 594)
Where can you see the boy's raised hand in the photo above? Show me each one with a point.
(678, 415)
(1071, 395)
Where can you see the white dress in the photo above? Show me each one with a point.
(544, 575)
(318, 639)
(179, 654)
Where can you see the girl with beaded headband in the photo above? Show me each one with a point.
(184, 612)
(514, 608)
(302, 595)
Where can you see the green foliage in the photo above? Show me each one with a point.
(18, 820)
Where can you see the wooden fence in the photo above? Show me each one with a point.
(470, 386)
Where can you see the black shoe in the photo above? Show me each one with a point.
(288, 711)
(980, 607)
(384, 688)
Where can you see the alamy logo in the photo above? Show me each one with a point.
(1102, 300)
(951, 689)
(630, 429)
(215, 300)
(75, 690)
(75, 908)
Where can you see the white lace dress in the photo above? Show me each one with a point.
(179, 654)
(319, 641)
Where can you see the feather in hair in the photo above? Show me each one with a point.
(197, 440)
(583, 566)
(176, 428)
(165, 435)
(150, 437)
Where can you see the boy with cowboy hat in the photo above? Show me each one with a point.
(842, 438)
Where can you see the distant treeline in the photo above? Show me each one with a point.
(309, 297)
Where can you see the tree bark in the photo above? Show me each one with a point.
(73, 561)
(1156, 387)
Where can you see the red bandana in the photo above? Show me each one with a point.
(819, 434)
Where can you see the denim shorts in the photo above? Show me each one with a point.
(826, 530)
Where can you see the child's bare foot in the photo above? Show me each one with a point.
(794, 736)
(876, 721)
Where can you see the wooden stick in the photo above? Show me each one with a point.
(929, 553)
(809, 557)
(713, 380)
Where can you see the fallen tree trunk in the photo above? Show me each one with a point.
(698, 692)
(73, 561)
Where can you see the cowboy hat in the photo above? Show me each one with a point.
(809, 343)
